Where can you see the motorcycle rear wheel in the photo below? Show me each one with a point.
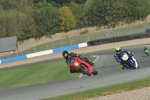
(95, 72)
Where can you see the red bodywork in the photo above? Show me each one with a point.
(78, 62)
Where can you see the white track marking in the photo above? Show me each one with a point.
(93, 62)
(95, 59)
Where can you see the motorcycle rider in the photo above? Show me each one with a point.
(118, 50)
(68, 56)
(146, 50)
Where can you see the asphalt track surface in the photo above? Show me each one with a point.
(109, 73)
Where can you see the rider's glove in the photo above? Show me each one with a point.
(132, 54)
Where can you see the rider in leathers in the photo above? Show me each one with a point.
(146, 50)
(118, 50)
(69, 56)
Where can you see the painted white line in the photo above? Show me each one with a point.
(93, 62)
(95, 59)
(80, 75)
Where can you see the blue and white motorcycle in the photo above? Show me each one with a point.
(128, 60)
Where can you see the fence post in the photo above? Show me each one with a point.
(16, 51)
(88, 38)
(52, 45)
(60, 44)
(22, 49)
(34, 49)
(130, 28)
(141, 26)
(47, 46)
(70, 41)
(118, 30)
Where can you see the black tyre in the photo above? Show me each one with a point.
(84, 71)
(126, 65)
(132, 65)
(95, 72)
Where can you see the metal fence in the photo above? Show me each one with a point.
(141, 27)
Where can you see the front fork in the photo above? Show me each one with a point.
(124, 65)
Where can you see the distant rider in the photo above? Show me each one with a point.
(117, 56)
(71, 55)
(146, 50)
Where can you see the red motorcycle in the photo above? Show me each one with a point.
(82, 66)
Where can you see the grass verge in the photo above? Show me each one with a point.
(105, 90)
(36, 74)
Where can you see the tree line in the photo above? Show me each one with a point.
(36, 18)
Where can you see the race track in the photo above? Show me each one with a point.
(109, 73)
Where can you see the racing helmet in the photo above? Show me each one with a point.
(65, 54)
(117, 49)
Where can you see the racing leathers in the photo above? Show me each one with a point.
(147, 51)
(71, 56)
(118, 57)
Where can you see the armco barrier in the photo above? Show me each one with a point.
(39, 53)
(13, 59)
(118, 39)
(76, 46)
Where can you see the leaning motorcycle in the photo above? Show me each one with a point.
(147, 52)
(82, 66)
(128, 60)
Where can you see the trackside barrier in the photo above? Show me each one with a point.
(39, 53)
(118, 39)
(76, 46)
(82, 45)
(13, 59)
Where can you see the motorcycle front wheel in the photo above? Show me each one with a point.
(132, 65)
(84, 71)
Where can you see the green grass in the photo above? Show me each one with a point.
(84, 38)
(35, 74)
(105, 90)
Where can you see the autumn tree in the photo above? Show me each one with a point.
(105, 12)
(79, 13)
(60, 3)
(67, 20)
(29, 29)
(46, 19)
(19, 5)
(137, 9)
(12, 23)
(111, 12)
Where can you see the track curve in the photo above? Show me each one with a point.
(109, 73)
